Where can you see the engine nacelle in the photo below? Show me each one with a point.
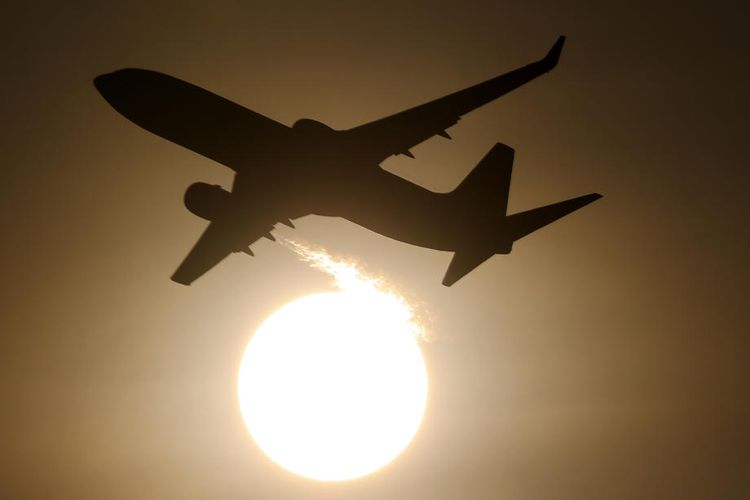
(206, 201)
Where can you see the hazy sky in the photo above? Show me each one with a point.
(606, 357)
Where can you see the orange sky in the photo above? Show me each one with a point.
(604, 358)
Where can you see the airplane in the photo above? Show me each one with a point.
(283, 173)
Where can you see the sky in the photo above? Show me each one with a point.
(606, 357)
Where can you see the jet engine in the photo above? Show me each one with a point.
(206, 201)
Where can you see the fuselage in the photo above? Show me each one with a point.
(392, 206)
(286, 173)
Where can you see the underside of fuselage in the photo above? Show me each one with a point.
(394, 207)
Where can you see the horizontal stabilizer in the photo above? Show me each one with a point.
(524, 223)
(464, 262)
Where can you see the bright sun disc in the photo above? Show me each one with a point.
(333, 386)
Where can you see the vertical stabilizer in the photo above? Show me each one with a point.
(484, 193)
(487, 186)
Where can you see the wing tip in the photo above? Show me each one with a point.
(553, 55)
(594, 196)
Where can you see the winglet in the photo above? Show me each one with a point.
(550, 60)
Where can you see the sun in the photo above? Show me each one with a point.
(333, 386)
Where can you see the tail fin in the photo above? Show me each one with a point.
(484, 191)
(487, 186)
(524, 223)
(521, 224)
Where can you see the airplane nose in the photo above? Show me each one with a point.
(103, 83)
(123, 82)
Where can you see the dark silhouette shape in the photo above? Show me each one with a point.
(283, 173)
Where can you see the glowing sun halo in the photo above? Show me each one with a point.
(333, 386)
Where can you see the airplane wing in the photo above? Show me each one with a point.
(397, 133)
(221, 238)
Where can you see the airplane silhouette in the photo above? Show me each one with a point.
(283, 173)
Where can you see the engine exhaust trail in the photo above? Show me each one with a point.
(350, 278)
